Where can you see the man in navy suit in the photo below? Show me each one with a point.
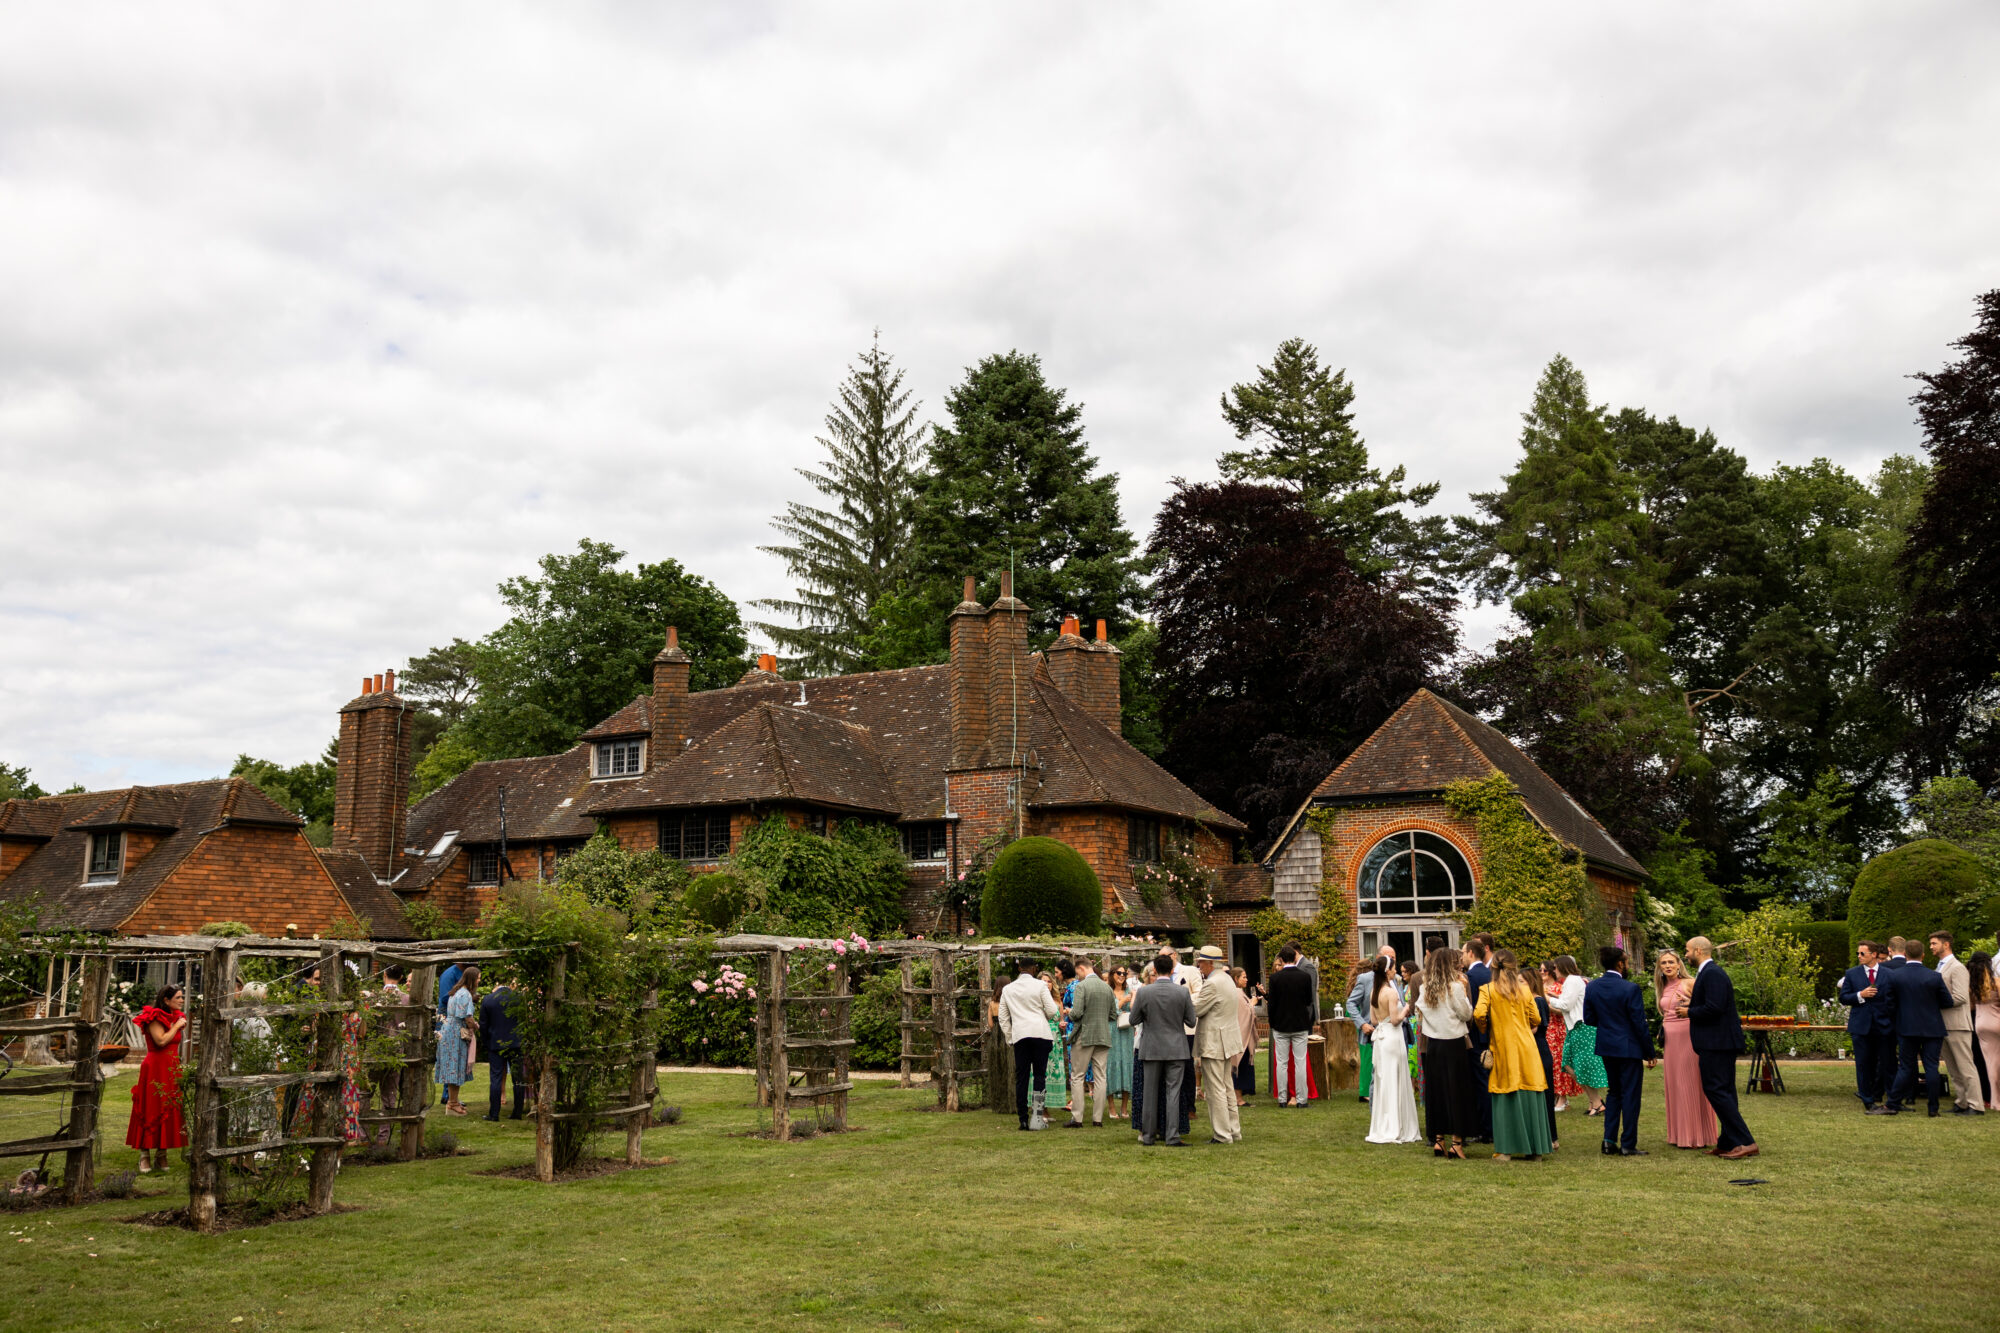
(1891, 1063)
(1477, 975)
(1715, 1030)
(1613, 1006)
(1871, 1021)
(1920, 997)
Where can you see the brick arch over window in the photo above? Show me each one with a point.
(1377, 834)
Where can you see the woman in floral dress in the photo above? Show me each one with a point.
(1566, 1085)
(1058, 1066)
(454, 1050)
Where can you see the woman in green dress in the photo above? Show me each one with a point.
(1058, 1066)
(1118, 1067)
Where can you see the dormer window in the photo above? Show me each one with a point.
(620, 759)
(107, 857)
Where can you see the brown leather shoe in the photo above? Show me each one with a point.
(1738, 1154)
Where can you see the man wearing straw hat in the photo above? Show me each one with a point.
(1218, 1042)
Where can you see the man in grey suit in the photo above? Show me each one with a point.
(1957, 1028)
(1092, 1011)
(1164, 1010)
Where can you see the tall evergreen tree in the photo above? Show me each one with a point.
(849, 557)
(1299, 415)
(1012, 480)
(1947, 648)
(1568, 545)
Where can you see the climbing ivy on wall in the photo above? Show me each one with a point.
(1534, 896)
(1324, 935)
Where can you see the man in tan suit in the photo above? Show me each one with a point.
(1218, 1040)
(1957, 1028)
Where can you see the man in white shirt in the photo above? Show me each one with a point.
(1025, 1010)
(1958, 1028)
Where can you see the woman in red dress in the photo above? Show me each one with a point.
(1566, 1085)
(156, 1097)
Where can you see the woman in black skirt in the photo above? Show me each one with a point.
(1451, 1108)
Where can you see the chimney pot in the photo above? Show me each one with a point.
(971, 593)
(673, 637)
(1069, 625)
(767, 662)
(364, 686)
(1102, 637)
(1006, 584)
(389, 681)
(378, 684)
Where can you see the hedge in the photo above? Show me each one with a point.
(1038, 885)
(1831, 953)
(1911, 891)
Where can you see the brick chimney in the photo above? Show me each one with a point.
(1069, 661)
(1009, 676)
(371, 795)
(968, 679)
(1101, 681)
(670, 702)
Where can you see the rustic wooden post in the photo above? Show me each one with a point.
(781, 1106)
(987, 1036)
(413, 1085)
(645, 1058)
(545, 1096)
(218, 973)
(328, 1116)
(908, 1025)
(85, 1099)
(843, 1034)
(944, 1022)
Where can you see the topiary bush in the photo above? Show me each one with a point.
(1040, 885)
(1831, 954)
(1912, 891)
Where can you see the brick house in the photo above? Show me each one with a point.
(1404, 862)
(998, 742)
(168, 860)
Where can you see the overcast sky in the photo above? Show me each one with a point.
(314, 326)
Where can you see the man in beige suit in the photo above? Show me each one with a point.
(1218, 1040)
(1957, 1028)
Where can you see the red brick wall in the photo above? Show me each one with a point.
(266, 878)
(372, 781)
(139, 844)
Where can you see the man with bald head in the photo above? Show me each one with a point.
(1715, 1030)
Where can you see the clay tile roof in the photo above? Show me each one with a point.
(185, 812)
(634, 719)
(1168, 916)
(373, 902)
(1429, 743)
(1243, 886)
(544, 802)
(1084, 762)
(43, 817)
(769, 753)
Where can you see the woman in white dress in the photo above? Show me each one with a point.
(1392, 1101)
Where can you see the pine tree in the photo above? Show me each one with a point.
(1299, 413)
(1010, 481)
(849, 557)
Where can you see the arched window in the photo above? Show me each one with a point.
(1415, 874)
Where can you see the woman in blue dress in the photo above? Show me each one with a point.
(455, 1035)
(1118, 1068)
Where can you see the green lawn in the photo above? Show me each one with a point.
(934, 1222)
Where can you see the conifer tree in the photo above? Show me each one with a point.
(851, 556)
(1011, 479)
(1299, 415)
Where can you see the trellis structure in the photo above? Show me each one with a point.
(639, 1057)
(76, 1139)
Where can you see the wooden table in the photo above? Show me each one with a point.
(1764, 1073)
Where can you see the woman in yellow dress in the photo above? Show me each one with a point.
(1520, 1090)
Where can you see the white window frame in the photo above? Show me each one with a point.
(618, 759)
(92, 875)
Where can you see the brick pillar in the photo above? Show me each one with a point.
(1009, 676)
(1101, 691)
(1069, 662)
(371, 801)
(968, 680)
(670, 702)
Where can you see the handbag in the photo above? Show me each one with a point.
(1486, 1059)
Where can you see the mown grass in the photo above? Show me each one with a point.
(925, 1221)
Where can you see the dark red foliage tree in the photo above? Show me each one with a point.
(1275, 658)
(1947, 647)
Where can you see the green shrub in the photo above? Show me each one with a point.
(1831, 956)
(1040, 885)
(1912, 891)
(799, 883)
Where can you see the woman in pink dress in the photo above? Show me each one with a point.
(1984, 990)
(1690, 1119)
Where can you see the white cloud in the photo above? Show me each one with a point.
(318, 324)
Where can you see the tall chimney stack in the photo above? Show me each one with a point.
(371, 793)
(1101, 687)
(968, 679)
(1008, 675)
(670, 702)
(1069, 662)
